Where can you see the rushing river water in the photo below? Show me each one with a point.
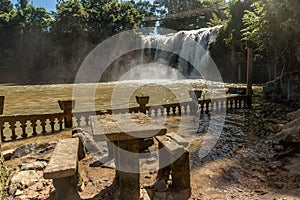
(39, 99)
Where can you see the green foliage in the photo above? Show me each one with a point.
(274, 26)
(98, 19)
(71, 17)
(36, 19)
(257, 26)
(7, 14)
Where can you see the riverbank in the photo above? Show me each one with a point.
(242, 165)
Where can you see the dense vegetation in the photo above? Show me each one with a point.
(37, 44)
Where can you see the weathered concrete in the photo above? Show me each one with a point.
(63, 161)
(126, 131)
(128, 163)
(142, 101)
(67, 106)
(123, 127)
(62, 168)
(66, 188)
(179, 169)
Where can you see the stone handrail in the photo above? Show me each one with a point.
(23, 126)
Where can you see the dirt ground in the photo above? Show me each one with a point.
(242, 165)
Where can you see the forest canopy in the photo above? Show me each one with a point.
(273, 25)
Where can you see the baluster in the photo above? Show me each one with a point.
(216, 106)
(185, 109)
(23, 127)
(33, 125)
(150, 112)
(219, 106)
(52, 124)
(162, 111)
(240, 103)
(60, 122)
(13, 127)
(43, 125)
(78, 121)
(174, 110)
(227, 103)
(155, 111)
(168, 111)
(222, 105)
(231, 104)
(202, 107)
(207, 107)
(179, 109)
(235, 103)
(87, 120)
(2, 132)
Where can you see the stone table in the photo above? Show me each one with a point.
(125, 131)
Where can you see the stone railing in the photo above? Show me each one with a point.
(23, 126)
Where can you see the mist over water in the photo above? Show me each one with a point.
(178, 51)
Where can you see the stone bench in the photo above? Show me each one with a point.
(174, 160)
(62, 168)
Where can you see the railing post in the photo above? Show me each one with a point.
(250, 46)
(194, 95)
(142, 101)
(1, 104)
(67, 106)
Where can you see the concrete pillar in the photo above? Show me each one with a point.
(181, 173)
(142, 101)
(250, 46)
(67, 106)
(1, 104)
(128, 173)
(66, 188)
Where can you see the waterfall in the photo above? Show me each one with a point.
(173, 56)
(177, 50)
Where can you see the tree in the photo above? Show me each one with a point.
(7, 14)
(147, 10)
(190, 14)
(107, 18)
(274, 26)
(71, 17)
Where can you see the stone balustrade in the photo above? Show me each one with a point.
(23, 126)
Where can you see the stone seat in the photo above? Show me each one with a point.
(174, 161)
(62, 168)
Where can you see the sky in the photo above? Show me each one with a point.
(48, 4)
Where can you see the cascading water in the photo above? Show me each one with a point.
(176, 50)
(166, 56)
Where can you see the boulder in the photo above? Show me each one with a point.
(293, 115)
(38, 165)
(290, 124)
(291, 134)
